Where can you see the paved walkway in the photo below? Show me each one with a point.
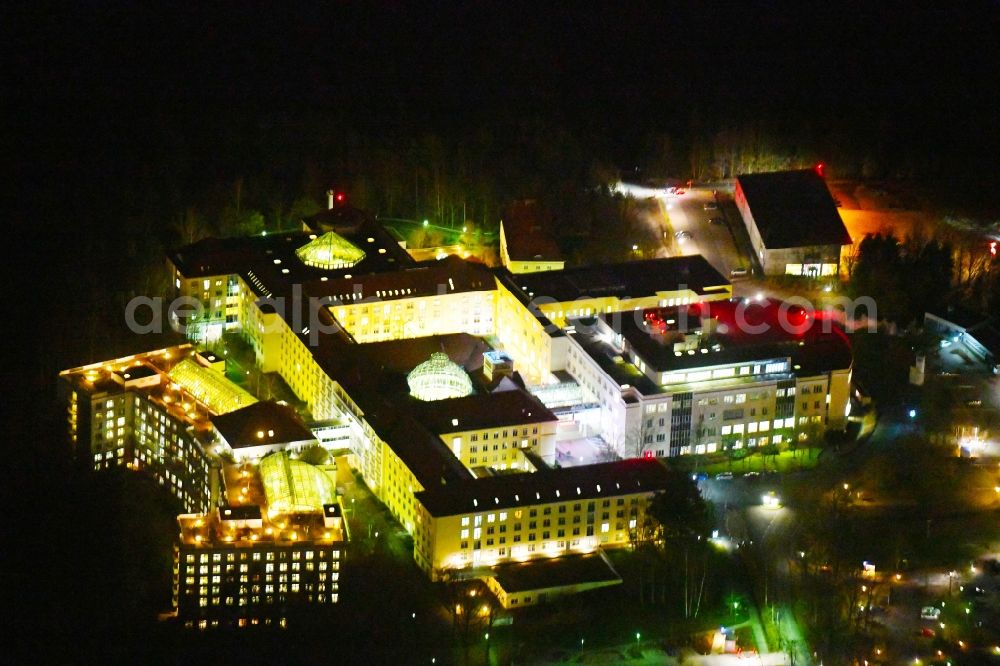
(767, 659)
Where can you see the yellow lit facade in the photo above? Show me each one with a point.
(420, 316)
(540, 344)
(534, 264)
(536, 351)
(488, 537)
(502, 447)
(127, 413)
(219, 297)
(558, 312)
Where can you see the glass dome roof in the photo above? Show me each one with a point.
(331, 251)
(439, 378)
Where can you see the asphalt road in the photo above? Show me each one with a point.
(715, 242)
(686, 213)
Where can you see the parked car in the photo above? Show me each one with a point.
(724, 476)
(717, 220)
(739, 272)
(711, 205)
(930, 613)
(682, 235)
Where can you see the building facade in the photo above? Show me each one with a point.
(793, 223)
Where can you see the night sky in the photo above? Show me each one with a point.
(914, 73)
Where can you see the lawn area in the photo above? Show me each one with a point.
(786, 461)
(612, 616)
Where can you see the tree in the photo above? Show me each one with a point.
(189, 226)
(684, 518)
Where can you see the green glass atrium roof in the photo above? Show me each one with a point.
(331, 251)
(293, 486)
(439, 378)
(210, 387)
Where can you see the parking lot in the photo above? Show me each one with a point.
(691, 216)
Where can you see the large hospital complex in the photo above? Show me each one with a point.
(502, 415)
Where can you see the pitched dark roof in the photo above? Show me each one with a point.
(342, 218)
(793, 209)
(430, 278)
(958, 315)
(243, 428)
(987, 334)
(402, 356)
(547, 486)
(484, 410)
(632, 279)
(423, 452)
(524, 224)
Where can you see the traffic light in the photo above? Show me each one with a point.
(819, 169)
(339, 196)
(993, 248)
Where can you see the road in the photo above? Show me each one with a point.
(686, 213)
(751, 527)
(715, 242)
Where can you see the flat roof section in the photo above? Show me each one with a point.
(557, 572)
(803, 339)
(634, 279)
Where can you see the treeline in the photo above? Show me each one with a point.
(908, 278)
(121, 190)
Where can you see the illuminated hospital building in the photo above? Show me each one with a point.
(456, 389)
